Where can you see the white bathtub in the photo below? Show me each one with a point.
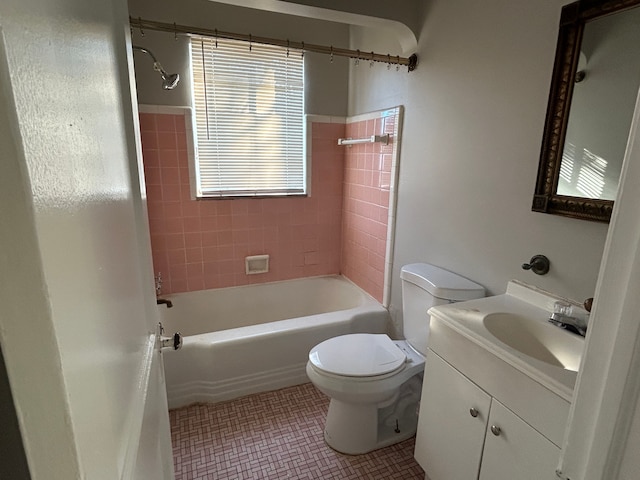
(255, 338)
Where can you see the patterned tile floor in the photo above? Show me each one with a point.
(274, 435)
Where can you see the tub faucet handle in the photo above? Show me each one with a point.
(158, 279)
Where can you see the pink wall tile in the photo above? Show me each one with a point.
(202, 244)
(341, 228)
(367, 180)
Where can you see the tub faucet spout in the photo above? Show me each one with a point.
(164, 301)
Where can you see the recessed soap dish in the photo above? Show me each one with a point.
(256, 264)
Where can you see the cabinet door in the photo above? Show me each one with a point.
(452, 423)
(516, 450)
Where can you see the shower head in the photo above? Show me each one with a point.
(169, 80)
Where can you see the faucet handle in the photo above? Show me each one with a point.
(563, 308)
(158, 279)
(588, 303)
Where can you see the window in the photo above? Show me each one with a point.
(249, 119)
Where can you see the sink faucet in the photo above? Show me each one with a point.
(564, 316)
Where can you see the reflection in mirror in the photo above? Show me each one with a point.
(601, 107)
(595, 82)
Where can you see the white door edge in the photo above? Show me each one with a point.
(136, 410)
(608, 383)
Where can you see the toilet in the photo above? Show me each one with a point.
(375, 383)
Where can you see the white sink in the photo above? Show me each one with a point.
(515, 328)
(542, 341)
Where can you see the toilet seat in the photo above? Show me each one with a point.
(357, 355)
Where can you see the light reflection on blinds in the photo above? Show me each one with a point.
(592, 174)
(582, 173)
(249, 119)
(566, 166)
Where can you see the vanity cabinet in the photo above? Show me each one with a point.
(466, 434)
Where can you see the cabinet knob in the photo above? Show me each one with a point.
(495, 430)
(474, 412)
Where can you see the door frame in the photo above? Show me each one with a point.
(607, 387)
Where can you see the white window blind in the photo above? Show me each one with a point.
(249, 119)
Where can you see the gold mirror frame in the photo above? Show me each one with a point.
(572, 22)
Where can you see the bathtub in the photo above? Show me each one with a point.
(255, 338)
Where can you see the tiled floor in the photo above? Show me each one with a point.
(274, 435)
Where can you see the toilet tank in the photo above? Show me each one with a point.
(425, 286)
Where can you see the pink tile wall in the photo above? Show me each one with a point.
(365, 212)
(201, 244)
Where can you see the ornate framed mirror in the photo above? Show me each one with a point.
(596, 76)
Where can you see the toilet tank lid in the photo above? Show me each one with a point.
(441, 283)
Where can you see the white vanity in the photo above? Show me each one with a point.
(497, 387)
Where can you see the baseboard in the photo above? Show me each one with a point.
(220, 390)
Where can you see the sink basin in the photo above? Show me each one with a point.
(542, 341)
(513, 328)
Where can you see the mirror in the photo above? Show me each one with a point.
(596, 76)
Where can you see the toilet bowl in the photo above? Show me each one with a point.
(369, 380)
(374, 382)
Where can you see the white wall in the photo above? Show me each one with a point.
(326, 83)
(475, 110)
(404, 18)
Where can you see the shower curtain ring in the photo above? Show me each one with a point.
(175, 32)
(371, 63)
(216, 37)
(331, 55)
(388, 61)
(302, 54)
(250, 40)
(398, 64)
(140, 26)
(288, 44)
(357, 62)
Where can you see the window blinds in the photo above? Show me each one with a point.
(249, 118)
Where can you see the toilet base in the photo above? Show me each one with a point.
(356, 429)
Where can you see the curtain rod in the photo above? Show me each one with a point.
(409, 62)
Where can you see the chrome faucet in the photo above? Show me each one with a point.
(564, 316)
